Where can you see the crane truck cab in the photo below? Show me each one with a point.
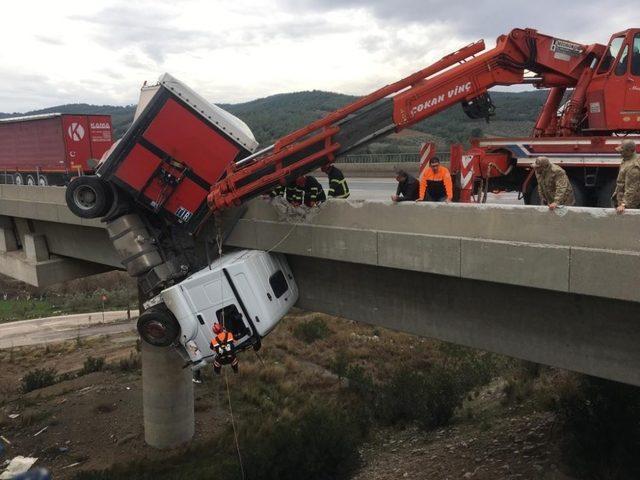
(247, 291)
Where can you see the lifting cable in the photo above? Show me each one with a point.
(226, 380)
(233, 424)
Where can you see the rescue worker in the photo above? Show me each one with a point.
(627, 192)
(224, 347)
(435, 183)
(294, 194)
(407, 187)
(312, 192)
(554, 186)
(338, 187)
(279, 191)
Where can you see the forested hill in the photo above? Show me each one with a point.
(274, 116)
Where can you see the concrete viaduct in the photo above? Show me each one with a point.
(561, 289)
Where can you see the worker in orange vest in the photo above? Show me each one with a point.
(224, 346)
(435, 183)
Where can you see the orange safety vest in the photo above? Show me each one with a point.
(443, 176)
(223, 342)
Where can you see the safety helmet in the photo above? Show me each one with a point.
(300, 181)
(217, 328)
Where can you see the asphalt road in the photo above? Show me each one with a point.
(383, 188)
(65, 327)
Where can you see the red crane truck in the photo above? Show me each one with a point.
(51, 148)
(184, 159)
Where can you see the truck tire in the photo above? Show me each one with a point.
(17, 179)
(604, 194)
(31, 182)
(158, 327)
(88, 197)
(42, 181)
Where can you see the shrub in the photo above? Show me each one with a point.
(320, 442)
(430, 398)
(92, 364)
(132, 363)
(340, 363)
(472, 368)
(360, 382)
(38, 378)
(601, 429)
(312, 330)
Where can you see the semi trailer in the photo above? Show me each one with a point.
(52, 148)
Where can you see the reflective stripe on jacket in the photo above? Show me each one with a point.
(222, 343)
(338, 187)
(313, 191)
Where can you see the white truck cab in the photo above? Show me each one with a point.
(247, 291)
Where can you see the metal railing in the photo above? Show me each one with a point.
(388, 158)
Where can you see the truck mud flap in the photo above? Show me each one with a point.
(257, 342)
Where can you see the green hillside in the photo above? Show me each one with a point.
(274, 116)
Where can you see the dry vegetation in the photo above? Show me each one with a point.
(327, 398)
(20, 301)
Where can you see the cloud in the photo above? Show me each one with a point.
(149, 29)
(78, 51)
(473, 19)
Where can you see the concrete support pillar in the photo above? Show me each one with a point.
(35, 247)
(7, 240)
(167, 397)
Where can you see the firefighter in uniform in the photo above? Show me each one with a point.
(554, 186)
(627, 193)
(294, 194)
(224, 347)
(338, 187)
(308, 191)
(279, 191)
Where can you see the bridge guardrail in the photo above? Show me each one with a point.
(389, 158)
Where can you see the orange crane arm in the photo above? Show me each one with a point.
(463, 77)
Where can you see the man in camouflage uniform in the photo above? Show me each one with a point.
(553, 184)
(627, 193)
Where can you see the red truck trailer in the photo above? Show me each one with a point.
(51, 148)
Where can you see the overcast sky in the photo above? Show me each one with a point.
(69, 51)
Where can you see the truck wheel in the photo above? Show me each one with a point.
(31, 181)
(87, 197)
(158, 327)
(604, 194)
(42, 181)
(17, 179)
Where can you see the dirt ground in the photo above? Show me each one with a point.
(95, 420)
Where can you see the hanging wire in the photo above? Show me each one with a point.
(233, 424)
